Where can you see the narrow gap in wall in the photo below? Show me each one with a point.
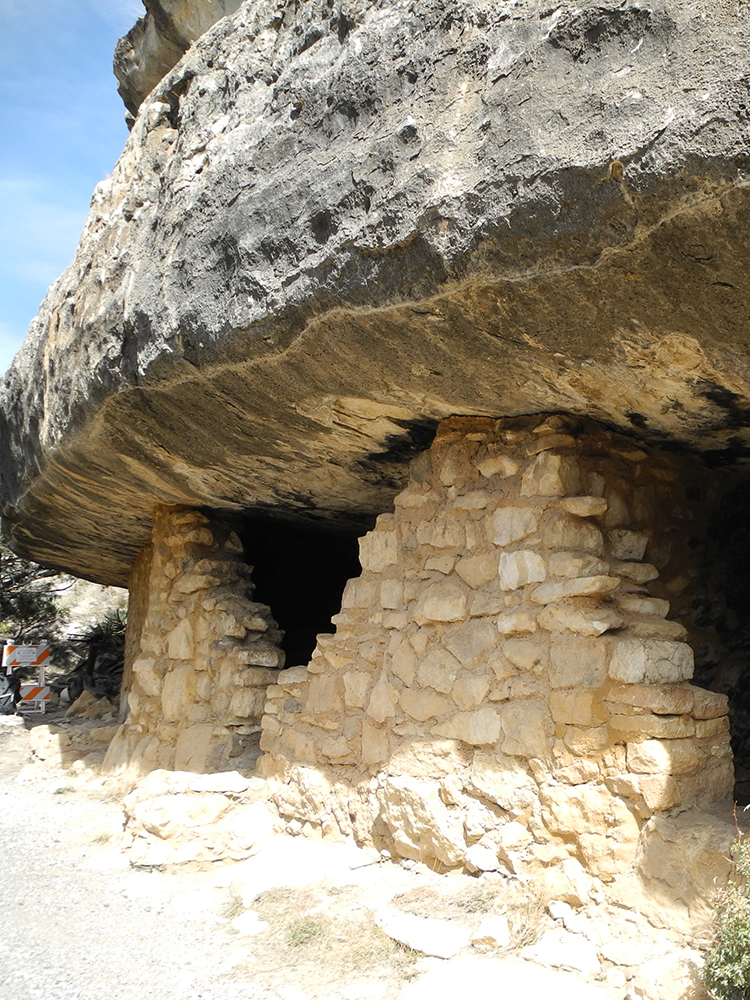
(300, 572)
(723, 617)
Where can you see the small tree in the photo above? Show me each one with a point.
(727, 968)
(29, 611)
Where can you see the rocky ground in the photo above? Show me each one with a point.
(300, 920)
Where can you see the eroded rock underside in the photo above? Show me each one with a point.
(333, 225)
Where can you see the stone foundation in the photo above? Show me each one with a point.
(504, 689)
(205, 652)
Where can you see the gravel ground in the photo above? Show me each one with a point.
(77, 922)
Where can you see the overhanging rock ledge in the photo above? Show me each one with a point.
(332, 227)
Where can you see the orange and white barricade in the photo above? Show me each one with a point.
(34, 697)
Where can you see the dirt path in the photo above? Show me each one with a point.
(78, 924)
(299, 921)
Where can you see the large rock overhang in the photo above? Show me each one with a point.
(330, 229)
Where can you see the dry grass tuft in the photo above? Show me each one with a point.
(307, 931)
(526, 921)
(233, 907)
(445, 902)
(524, 906)
(328, 936)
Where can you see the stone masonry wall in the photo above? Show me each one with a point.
(504, 689)
(206, 653)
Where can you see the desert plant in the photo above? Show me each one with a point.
(727, 969)
(100, 671)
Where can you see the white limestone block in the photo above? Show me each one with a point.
(584, 506)
(471, 640)
(179, 692)
(644, 605)
(565, 531)
(503, 780)
(523, 729)
(438, 670)
(377, 550)
(560, 949)
(665, 757)
(561, 617)
(470, 690)
(356, 684)
(516, 623)
(392, 594)
(476, 571)
(575, 564)
(577, 662)
(180, 641)
(519, 568)
(441, 602)
(498, 465)
(479, 728)
(424, 705)
(546, 476)
(483, 859)
(510, 524)
(587, 586)
(651, 661)
(383, 700)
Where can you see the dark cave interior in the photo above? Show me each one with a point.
(300, 571)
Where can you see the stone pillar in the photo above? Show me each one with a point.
(205, 653)
(137, 612)
(504, 689)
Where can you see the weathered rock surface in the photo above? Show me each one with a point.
(158, 41)
(330, 228)
(201, 656)
(174, 817)
(422, 728)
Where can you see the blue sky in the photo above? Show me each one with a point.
(61, 131)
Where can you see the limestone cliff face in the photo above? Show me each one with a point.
(332, 226)
(159, 40)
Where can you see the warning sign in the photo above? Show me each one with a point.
(25, 656)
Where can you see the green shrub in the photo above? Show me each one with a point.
(727, 969)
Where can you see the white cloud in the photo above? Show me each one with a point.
(121, 13)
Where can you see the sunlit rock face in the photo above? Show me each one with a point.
(158, 41)
(332, 227)
(504, 689)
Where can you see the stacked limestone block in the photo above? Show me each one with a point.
(503, 688)
(207, 652)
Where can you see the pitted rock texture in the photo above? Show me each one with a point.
(332, 227)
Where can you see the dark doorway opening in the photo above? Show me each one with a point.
(722, 614)
(300, 572)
